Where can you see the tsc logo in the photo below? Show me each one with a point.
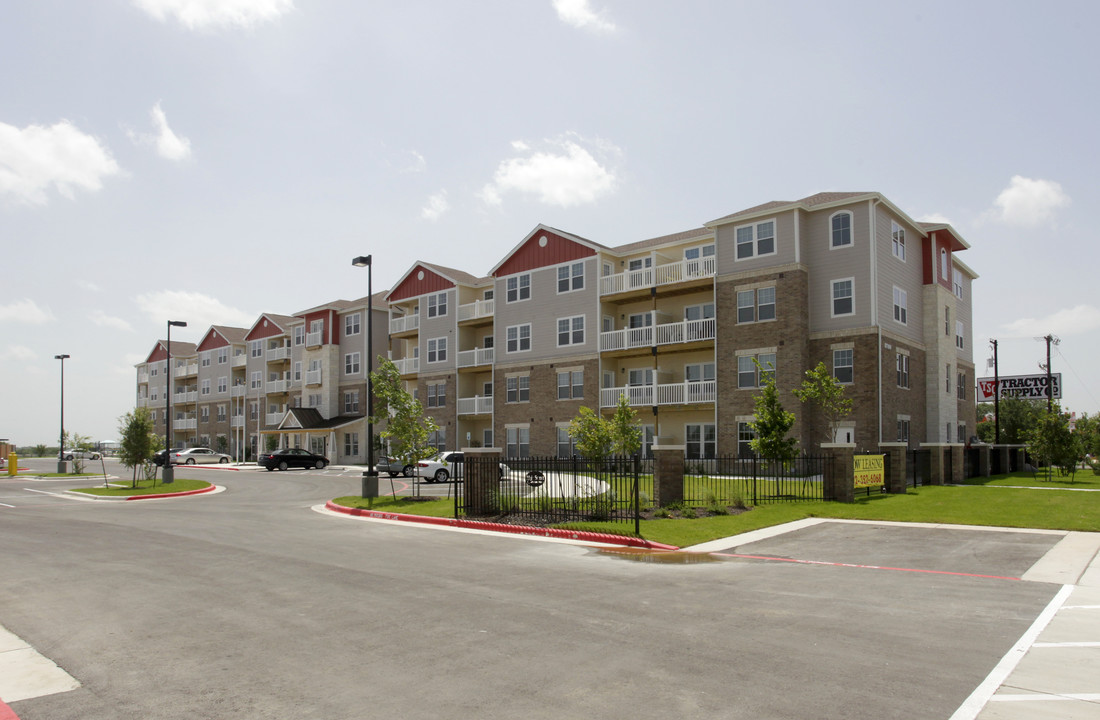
(988, 388)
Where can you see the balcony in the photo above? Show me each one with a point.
(475, 406)
(477, 310)
(667, 334)
(475, 357)
(143, 402)
(408, 323)
(661, 275)
(408, 366)
(274, 418)
(280, 353)
(683, 393)
(236, 421)
(313, 339)
(186, 370)
(277, 386)
(237, 391)
(186, 396)
(187, 423)
(240, 360)
(143, 377)
(313, 377)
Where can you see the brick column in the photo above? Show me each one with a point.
(937, 462)
(840, 482)
(1002, 455)
(984, 459)
(482, 483)
(897, 455)
(668, 474)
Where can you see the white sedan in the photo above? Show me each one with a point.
(446, 465)
(85, 454)
(197, 455)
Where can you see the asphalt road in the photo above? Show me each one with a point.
(249, 604)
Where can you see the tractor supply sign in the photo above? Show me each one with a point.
(1027, 387)
(870, 470)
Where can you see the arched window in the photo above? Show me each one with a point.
(841, 229)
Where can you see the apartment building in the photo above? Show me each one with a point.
(685, 325)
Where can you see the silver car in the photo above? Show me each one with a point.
(198, 456)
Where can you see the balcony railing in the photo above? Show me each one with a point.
(668, 274)
(186, 396)
(313, 339)
(282, 353)
(404, 324)
(273, 418)
(237, 391)
(236, 421)
(408, 366)
(186, 370)
(143, 377)
(475, 310)
(683, 393)
(313, 377)
(666, 334)
(240, 360)
(475, 357)
(185, 424)
(277, 386)
(475, 406)
(143, 402)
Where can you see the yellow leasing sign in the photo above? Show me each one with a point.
(870, 470)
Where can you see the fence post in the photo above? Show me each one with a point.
(896, 471)
(984, 453)
(482, 483)
(668, 474)
(840, 482)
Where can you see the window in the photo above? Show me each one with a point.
(947, 377)
(351, 402)
(571, 331)
(437, 305)
(901, 306)
(571, 277)
(223, 384)
(566, 448)
(256, 348)
(351, 444)
(755, 240)
(437, 350)
(756, 305)
(351, 324)
(897, 237)
(518, 288)
(696, 377)
(751, 376)
(519, 338)
(958, 283)
(205, 384)
(903, 428)
(700, 440)
(571, 385)
(299, 334)
(223, 355)
(959, 343)
(944, 263)
(298, 371)
(437, 395)
(962, 433)
(517, 388)
(488, 294)
(438, 439)
(903, 370)
(841, 230)
(204, 413)
(961, 387)
(843, 365)
(745, 435)
(351, 363)
(843, 302)
(204, 358)
(153, 371)
(518, 442)
(697, 261)
(314, 400)
(253, 410)
(221, 413)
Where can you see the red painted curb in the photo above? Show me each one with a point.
(212, 488)
(501, 527)
(6, 713)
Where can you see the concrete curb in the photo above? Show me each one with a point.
(212, 488)
(501, 527)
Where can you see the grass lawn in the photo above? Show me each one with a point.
(1081, 479)
(146, 487)
(403, 504)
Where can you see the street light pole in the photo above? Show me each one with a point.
(370, 476)
(169, 474)
(61, 443)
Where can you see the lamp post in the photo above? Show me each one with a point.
(370, 476)
(61, 443)
(169, 474)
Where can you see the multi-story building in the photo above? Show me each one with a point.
(685, 325)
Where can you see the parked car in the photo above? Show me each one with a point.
(158, 457)
(197, 456)
(444, 466)
(77, 453)
(291, 457)
(394, 467)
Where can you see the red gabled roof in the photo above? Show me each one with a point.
(269, 324)
(179, 349)
(545, 247)
(420, 279)
(221, 336)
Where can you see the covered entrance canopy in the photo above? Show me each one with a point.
(312, 431)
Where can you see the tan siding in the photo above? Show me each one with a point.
(908, 276)
(827, 265)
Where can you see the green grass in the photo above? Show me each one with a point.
(146, 487)
(403, 504)
(1081, 479)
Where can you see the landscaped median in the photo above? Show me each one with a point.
(147, 490)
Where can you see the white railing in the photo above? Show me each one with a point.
(313, 339)
(665, 334)
(143, 402)
(684, 393)
(475, 357)
(668, 274)
(185, 370)
(403, 324)
(277, 386)
(240, 360)
(236, 421)
(282, 353)
(476, 309)
(185, 424)
(629, 280)
(408, 366)
(186, 396)
(143, 377)
(274, 418)
(475, 406)
(237, 391)
(313, 377)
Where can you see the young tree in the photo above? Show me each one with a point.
(138, 441)
(406, 428)
(1050, 442)
(626, 433)
(771, 423)
(823, 390)
(592, 434)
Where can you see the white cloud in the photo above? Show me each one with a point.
(197, 310)
(417, 164)
(437, 205)
(88, 285)
(565, 174)
(579, 14)
(35, 158)
(169, 145)
(26, 311)
(1028, 202)
(98, 317)
(1068, 321)
(19, 352)
(204, 14)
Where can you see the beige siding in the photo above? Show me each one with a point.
(543, 310)
(726, 245)
(433, 328)
(907, 276)
(827, 265)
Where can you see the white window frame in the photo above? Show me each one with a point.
(299, 334)
(522, 290)
(352, 363)
(204, 387)
(574, 330)
(844, 354)
(437, 304)
(223, 355)
(573, 279)
(902, 370)
(352, 324)
(351, 402)
(758, 374)
(897, 240)
(958, 282)
(517, 389)
(705, 446)
(516, 344)
(901, 306)
(833, 297)
(437, 350)
(573, 386)
(960, 331)
(351, 444)
(754, 239)
(223, 384)
(833, 244)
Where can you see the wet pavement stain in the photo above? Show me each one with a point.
(664, 557)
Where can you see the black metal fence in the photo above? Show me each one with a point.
(754, 481)
(550, 490)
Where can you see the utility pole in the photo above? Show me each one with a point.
(996, 397)
(1051, 340)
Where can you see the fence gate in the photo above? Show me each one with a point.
(919, 467)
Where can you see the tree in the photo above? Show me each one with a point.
(407, 429)
(626, 433)
(138, 442)
(771, 423)
(1017, 418)
(597, 437)
(76, 441)
(1051, 443)
(823, 390)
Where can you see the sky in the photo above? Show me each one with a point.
(209, 160)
